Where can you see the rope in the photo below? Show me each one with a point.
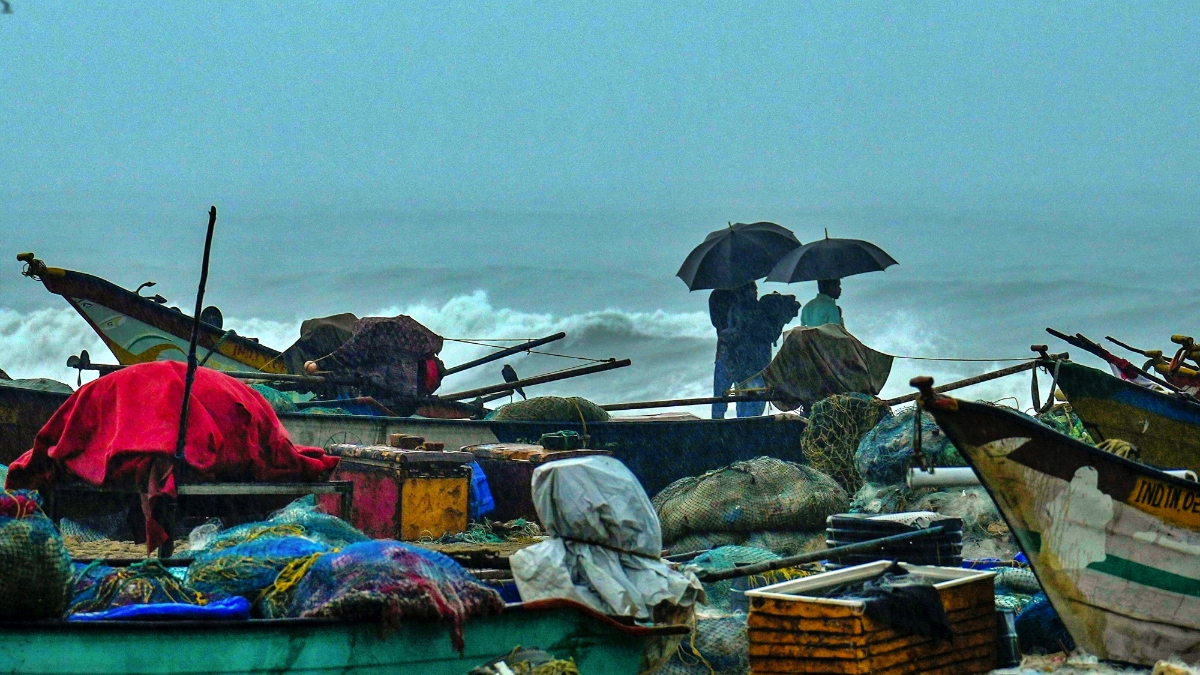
(1036, 394)
(949, 358)
(530, 351)
(218, 346)
(292, 574)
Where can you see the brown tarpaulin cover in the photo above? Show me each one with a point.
(815, 363)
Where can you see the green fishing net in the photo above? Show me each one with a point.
(835, 426)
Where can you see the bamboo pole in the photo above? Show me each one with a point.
(516, 349)
(539, 379)
(994, 375)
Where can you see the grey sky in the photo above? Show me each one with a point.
(593, 105)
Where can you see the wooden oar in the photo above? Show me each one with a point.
(828, 554)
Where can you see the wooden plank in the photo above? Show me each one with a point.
(929, 652)
(265, 488)
(966, 662)
(983, 624)
(803, 608)
(823, 646)
(848, 626)
(984, 655)
(909, 646)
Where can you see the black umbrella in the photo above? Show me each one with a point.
(830, 259)
(736, 255)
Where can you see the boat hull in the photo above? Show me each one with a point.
(1165, 428)
(23, 412)
(1114, 543)
(657, 452)
(598, 645)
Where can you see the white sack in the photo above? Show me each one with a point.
(598, 516)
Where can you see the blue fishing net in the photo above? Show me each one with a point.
(885, 453)
(250, 568)
(385, 581)
(1040, 631)
(36, 579)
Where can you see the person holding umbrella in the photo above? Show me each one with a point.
(729, 261)
(827, 261)
(823, 309)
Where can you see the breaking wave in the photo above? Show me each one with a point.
(672, 352)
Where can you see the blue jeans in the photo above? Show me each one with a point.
(722, 380)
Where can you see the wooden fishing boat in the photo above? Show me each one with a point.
(139, 330)
(1114, 543)
(657, 451)
(598, 644)
(1165, 427)
(22, 414)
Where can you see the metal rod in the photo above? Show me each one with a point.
(181, 438)
(672, 403)
(508, 351)
(995, 374)
(828, 554)
(539, 379)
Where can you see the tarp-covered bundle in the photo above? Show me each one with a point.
(755, 497)
(393, 356)
(814, 363)
(120, 431)
(35, 582)
(605, 542)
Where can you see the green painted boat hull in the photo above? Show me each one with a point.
(599, 645)
(1114, 543)
(1164, 427)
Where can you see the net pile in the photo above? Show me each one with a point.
(835, 426)
(727, 558)
(1016, 587)
(248, 569)
(1062, 418)
(884, 454)
(381, 580)
(733, 504)
(1040, 631)
(718, 645)
(280, 401)
(36, 583)
(552, 409)
(301, 518)
(100, 588)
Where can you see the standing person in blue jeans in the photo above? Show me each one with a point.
(729, 310)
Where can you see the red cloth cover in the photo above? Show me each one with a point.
(120, 431)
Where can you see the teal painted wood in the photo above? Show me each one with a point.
(599, 646)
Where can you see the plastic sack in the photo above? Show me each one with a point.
(229, 609)
(481, 502)
(605, 541)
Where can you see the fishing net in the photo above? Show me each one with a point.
(884, 454)
(1040, 631)
(280, 402)
(718, 645)
(875, 499)
(1017, 580)
(36, 579)
(1062, 418)
(727, 558)
(706, 541)
(527, 661)
(145, 583)
(381, 580)
(249, 568)
(835, 426)
(301, 518)
(552, 409)
(787, 543)
(758, 494)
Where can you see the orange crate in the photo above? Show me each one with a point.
(791, 631)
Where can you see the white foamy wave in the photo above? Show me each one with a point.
(672, 353)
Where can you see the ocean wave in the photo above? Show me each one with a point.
(672, 352)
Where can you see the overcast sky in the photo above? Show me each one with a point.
(593, 105)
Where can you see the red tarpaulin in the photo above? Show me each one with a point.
(120, 431)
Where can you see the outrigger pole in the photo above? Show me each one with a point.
(181, 439)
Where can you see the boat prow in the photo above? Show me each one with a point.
(1114, 543)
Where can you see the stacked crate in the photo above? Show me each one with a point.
(791, 630)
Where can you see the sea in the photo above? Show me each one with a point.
(978, 279)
